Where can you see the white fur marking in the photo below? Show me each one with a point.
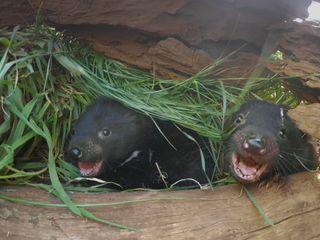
(150, 155)
(134, 154)
(282, 116)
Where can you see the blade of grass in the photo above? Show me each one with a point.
(258, 207)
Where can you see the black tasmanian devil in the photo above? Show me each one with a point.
(118, 144)
(266, 144)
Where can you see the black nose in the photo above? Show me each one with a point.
(255, 144)
(76, 152)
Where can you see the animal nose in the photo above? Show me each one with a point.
(76, 152)
(255, 144)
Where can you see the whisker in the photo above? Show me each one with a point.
(295, 154)
(303, 165)
(284, 168)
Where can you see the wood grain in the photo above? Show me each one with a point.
(221, 213)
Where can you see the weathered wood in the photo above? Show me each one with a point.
(173, 39)
(16, 12)
(300, 44)
(307, 118)
(221, 213)
(190, 20)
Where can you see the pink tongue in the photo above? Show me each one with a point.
(246, 170)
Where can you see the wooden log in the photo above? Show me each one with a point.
(221, 213)
(174, 39)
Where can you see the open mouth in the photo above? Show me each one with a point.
(247, 170)
(90, 168)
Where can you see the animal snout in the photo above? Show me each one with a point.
(84, 149)
(255, 144)
(75, 153)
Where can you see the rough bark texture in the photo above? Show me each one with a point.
(191, 20)
(311, 115)
(222, 213)
(307, 118)
(16, 12)
(173, 39)
(300, 43)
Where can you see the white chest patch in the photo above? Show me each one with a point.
(133, 155)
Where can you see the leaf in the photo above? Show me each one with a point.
(258, 207)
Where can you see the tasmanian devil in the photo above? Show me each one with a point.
(266, 144)
(118, 144)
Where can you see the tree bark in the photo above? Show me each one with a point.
(174, 39)
(221, 213)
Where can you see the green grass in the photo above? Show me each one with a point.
(47, 79)
(258, 207)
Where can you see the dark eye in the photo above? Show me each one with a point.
(105, 132)
(282, 133)
(239, 120)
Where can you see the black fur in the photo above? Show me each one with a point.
(129, 131)
(265, 136)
